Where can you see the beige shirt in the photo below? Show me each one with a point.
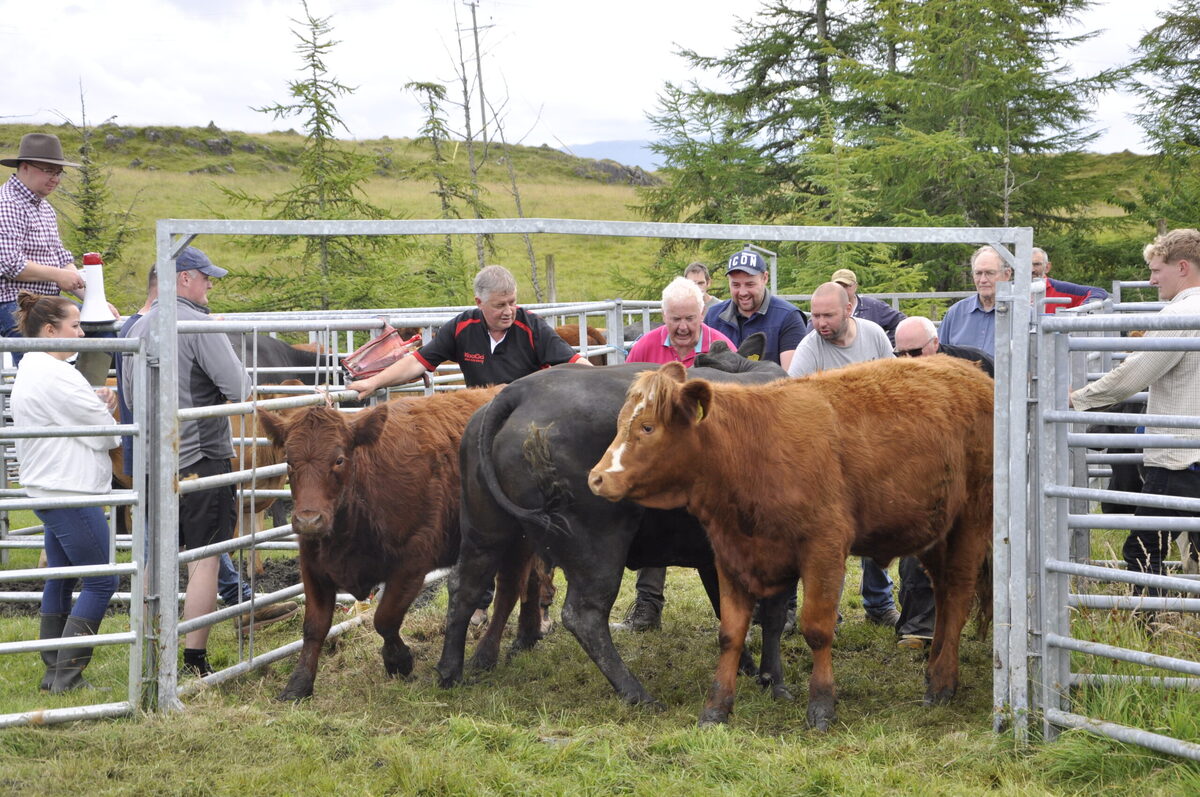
(1173, 378)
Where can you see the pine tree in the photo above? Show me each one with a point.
(91, 224)
(448, 274)
(947, 112)
(1167, 76)
(329, 271)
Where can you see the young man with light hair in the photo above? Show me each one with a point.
(1173, 379)
(698, 273)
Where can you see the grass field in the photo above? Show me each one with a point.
(546, 722)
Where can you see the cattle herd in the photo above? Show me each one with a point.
(753, 479)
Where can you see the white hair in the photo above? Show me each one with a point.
(682, 290)
(494, 280)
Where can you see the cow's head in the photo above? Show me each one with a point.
(319, 445)
(657, 446)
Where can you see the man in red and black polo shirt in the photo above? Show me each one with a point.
(494, 344)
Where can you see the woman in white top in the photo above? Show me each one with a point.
(49, 392)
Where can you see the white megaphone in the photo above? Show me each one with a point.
(95, 306)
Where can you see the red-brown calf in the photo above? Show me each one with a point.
(880, 459)
(376, 499)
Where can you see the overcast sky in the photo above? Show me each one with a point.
(572, 72)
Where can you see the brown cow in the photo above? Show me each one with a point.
(882, 459)
(376, 499)
(570, 333)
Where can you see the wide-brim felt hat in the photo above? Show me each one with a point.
(41, 147)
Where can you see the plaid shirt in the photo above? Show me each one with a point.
(28, 231)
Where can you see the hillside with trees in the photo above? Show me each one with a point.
(857, 113)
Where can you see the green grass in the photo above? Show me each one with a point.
(546, 722)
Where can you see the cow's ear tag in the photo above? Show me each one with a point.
(753, 357)
(699, 412)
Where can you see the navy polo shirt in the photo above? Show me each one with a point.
(529, 345)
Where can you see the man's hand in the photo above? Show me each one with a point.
(69, 279)
(365, 387)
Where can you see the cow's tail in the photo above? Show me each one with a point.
(493, 416)
(983, 597)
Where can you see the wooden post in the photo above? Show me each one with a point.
(551, 280)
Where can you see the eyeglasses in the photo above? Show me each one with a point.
(912, 352)
(985, 274)
(51, 172)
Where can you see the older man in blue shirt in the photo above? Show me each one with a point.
(972, 321)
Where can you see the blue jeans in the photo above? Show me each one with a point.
(76, 537)
(8, 327)
(876, 588)
(227, 583)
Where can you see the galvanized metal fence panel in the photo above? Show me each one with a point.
(1057, 522)
(154, 685)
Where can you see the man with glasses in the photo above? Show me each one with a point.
(32, 257)
(972, 321)
(916, 336)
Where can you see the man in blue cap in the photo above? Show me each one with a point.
(210, 373)
(751, 309)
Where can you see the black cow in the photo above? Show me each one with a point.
(1127, 477)
(525, 459)
(264, 351)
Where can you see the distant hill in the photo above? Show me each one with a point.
(630, 153)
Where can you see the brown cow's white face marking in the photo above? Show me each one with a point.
(616, 466)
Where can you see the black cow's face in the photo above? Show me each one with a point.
(320, 446)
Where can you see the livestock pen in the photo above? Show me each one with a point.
(1013, 706)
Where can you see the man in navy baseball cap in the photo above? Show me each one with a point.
(750, 309)
(192, 259)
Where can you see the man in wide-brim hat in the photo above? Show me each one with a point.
(32, 257)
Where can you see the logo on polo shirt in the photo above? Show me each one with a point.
(472, 357)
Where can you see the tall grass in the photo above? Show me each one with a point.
(546, 722)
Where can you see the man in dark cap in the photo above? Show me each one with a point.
(210, 373)
(750, 308)
(32, 257)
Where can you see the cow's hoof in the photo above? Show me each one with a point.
(780, 692)
(294, 694)
(399, 663)
(821, 715)
(483, 663)
(449, 678)
(519, 644)
(746, 665)
(713, 716)
(938, 697)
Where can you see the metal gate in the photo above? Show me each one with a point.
(1065, 623)
(153, 684)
